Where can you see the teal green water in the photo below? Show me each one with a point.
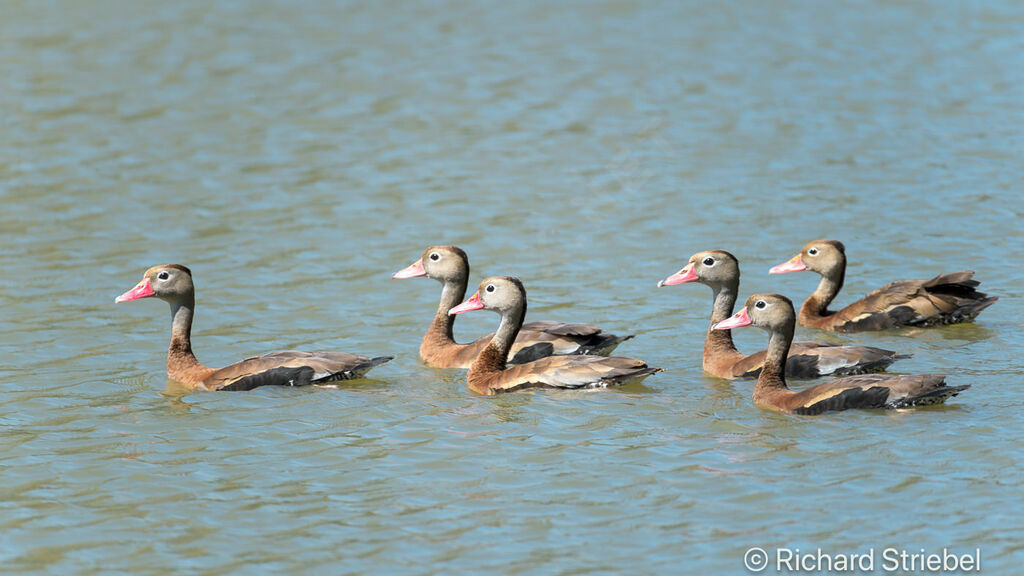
(295, 156)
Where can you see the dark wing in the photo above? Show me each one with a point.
(962, 302)
(603, 344)
(936, 396)
(571, 372)
(532, 353)
(893, 305)
(815, 359)
(539, 339)
(872, 391)
(801, 363)
(561, 328)
(846, 399)
(280, 376)
(291, 368)
(568, 338)
(945, 299)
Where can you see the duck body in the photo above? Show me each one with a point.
(720, 271)
(173, 284)
(291, 368)
(536, 340)
(569, 372)
(438, 349)
(490, 374)
(813, 360)
(774, 313)
(945, 299)
(862, 391)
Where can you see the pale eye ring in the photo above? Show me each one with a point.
(163, 275)
(709, 261)
(435, 256)
(812, 252)
(490, 288)
(760, 304)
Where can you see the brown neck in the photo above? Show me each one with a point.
(181, 362)
(441, 328)
(439, 341)
(495, 355)
(773, 375)
(830, 285)
(718, 343)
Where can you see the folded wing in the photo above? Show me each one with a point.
(291, 368)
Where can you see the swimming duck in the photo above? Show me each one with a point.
(945, 299)
(774, 313)
(172, 283)
(489, 374)
(720, 271)
(449, 265)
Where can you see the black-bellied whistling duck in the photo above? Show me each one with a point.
(945, 299)
(172, 283)
(774, 313)
(489, 374)
(720, 271)
(449, 265)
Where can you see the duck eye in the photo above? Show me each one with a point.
(163, 275)
(709, 261)
(490, 288)
(435, 256)
(760, 304)
(812, 252)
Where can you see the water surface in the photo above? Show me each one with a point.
(294, 157)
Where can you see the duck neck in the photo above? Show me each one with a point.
(773, 375)
(180, 358)
(441, 329)
(719, 342)
(495, 356)
(828, 287)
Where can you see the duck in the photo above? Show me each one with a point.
(490, 373)
(945, 299)
(775, 314)
(449, 265)
(173, 284)
(720, 271)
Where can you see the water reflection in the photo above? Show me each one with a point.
(175, 393)
(508, 408)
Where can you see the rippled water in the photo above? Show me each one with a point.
(296, 156)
